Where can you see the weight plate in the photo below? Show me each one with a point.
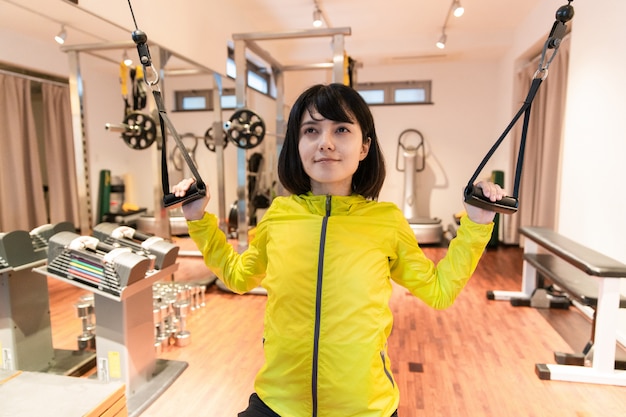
(247, 129)
(209, 140)
(141, 131)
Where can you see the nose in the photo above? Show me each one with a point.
(326, 141)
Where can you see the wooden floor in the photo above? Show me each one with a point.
(476, 358)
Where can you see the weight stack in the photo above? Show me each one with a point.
(497, 177)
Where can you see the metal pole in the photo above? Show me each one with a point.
(338, 58)
(81, 156)
(281, 125)
(242, 198)
(218, 135)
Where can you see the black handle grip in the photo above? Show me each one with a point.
(195, 192)
(474, 196)
(142, 237)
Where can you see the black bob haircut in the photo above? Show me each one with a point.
(339, 103)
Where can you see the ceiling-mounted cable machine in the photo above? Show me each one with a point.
(248, 41)
(160, 56)
(510, 204)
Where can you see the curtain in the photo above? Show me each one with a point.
(539, 186)
(22, 204)
(59, 154)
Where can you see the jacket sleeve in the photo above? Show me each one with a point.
(439, 284)
(239, 272)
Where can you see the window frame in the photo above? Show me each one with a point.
(207, 93)
(389, 89)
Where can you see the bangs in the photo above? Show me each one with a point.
(331, 105)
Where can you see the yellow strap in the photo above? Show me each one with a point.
(139, 72)
(346, 69)
(123, 78)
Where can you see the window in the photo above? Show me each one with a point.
(190, 100)
(386, 93)
(194, 100)
(259, 78)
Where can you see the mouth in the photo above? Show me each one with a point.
(326, 160)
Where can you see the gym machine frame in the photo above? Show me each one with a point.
(25, 325)
(125, 330)
(79, 124)
(124, 348)
(245, 41)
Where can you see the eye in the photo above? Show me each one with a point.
(308, 130)
(343, 129)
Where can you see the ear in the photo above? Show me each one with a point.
(365, 148)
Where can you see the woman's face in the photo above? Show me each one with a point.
(330, 152)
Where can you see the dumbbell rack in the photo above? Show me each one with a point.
(25, 326)
(125, 331)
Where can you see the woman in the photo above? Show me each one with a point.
(326, 255)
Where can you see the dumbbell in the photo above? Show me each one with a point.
(182, 336)
(85, 310)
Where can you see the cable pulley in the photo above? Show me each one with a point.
(245, 129)
(510, 204)
(151, 77)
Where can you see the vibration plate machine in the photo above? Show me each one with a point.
(411, 152)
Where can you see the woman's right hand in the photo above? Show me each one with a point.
(194, 210)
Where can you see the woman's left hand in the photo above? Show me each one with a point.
(494, 193)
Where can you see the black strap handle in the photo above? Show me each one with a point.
(508, 205)
(198, 189)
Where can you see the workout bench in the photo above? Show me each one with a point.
(590, 278)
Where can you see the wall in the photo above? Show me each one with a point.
(592, 204)
(593, 141)
(457, 132)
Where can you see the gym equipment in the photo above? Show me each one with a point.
(510, 204)
(177, 158)
(104, 194)
(257, 198)
(25, 333)
(85, 312)
(25, 326)
(198, 189)
(411, 147)
(245, 129)
(209, 140)
(96, 265)
(590, 279)
(159, 323)
(41, 235)
(172, 304)
(162, 253)
(182, 336)
(121, 283)
(138, 130)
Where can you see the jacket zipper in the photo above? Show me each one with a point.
(318, 307)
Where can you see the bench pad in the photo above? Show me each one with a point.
(589, 261)
(572, 280)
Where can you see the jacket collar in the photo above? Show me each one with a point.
(340, 205)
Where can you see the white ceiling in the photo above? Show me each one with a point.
(381, 31)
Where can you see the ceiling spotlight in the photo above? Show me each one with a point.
(127, 61)
(60, 37)
(458, 9)
(317, 18)
(441, 43)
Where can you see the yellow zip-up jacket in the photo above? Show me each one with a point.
(327, 264)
